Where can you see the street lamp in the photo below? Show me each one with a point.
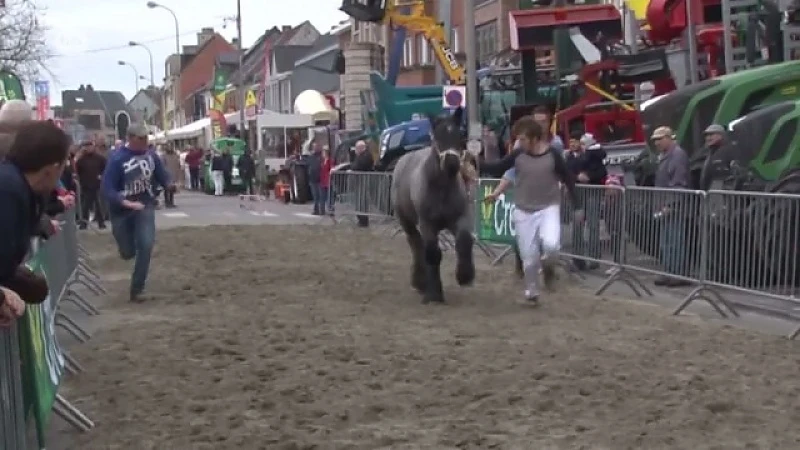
(136, 72)
(150, 54)
(153, 5)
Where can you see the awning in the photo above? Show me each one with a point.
(190, 131)
(272, 119)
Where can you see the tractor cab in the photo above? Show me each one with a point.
(640, 67)
(370, 11)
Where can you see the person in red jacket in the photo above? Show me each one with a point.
(194, 159)
(325, 178)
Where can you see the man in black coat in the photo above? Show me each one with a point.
(247, 171)
(227, 169)
(89, 168)
(363, 162)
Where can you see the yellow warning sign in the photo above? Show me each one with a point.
(250, 104)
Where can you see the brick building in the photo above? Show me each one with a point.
(492, 36)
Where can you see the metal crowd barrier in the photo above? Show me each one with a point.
(716, 243)
(32, 361)
(368, 194)
(361, 193)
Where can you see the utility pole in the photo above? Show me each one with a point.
(473, 104)
(241, 91)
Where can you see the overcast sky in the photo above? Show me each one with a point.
(91, 36)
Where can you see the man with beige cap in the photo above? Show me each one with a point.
(672, 173)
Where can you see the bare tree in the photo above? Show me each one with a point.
(23, 50)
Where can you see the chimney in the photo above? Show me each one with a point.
(235, 42)
(204, 35)
(89, 88)
(285, 28)
(82, 88)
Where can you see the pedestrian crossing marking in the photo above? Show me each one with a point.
(175, 215)
(306, 215)
(262, 214)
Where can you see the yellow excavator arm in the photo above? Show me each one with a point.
(410, 14)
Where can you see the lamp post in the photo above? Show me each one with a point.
(470, 42)
(150, 54)
(136, 72)
(153, 5)
(242, 90)
(240, 82)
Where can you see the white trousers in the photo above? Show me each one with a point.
(538, 238)
(219, 182)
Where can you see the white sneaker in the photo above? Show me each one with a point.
(530, 299)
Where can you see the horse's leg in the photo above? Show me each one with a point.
(465, 265)
(433, 260)
(417, 255)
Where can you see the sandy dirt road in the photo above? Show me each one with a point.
(310, 338)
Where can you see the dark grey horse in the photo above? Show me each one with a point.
(429, 195)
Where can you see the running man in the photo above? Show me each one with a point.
(539, 170)
(129, 184)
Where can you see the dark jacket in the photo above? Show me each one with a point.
(22, 209)
(673, 169)
(217, 163)
(590, 162)
(246, 166)
(227, 163)
(314, 164)
(67, 176)
(89, 169)
(363, 162)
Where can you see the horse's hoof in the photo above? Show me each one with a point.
(433, 299)
(418, 284)
(465, 275)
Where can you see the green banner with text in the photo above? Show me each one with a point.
(495, 221)
(42, 359)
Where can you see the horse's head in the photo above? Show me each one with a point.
(448, 141)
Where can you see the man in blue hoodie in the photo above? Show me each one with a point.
(131, 178)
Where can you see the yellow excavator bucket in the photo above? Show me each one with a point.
(639, 8)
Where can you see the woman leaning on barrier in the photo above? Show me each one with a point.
(28, 175)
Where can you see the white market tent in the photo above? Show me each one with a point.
(267, 119)
(272, 119)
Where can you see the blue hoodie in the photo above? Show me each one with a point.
(132, 175)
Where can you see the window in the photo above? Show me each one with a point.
(424, 50)
(455, 44)
(486, 40)
(286, 96)
(408, 52)
(783, 139)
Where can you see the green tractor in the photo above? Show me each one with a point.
(760, 107)
(761, 233)
(689, 110)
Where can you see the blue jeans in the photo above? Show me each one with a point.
(326, 199)
(318, 197)
(673, 246)
(135, 233)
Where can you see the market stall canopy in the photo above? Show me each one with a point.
(315, 104)
(197, 128)
(190, 131)
(272, 119)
